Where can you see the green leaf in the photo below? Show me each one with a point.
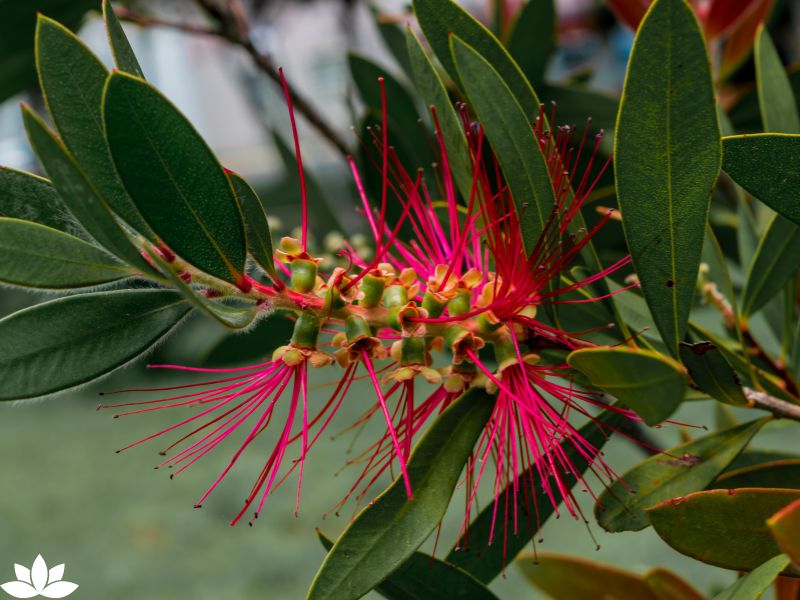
(755, 583)
(402, 110)
(666, 160)
(78, 194)
(388, 531)
(441, 18)
(422, 576)
(768, 166)
(486, 561)
(755, 457)
(681, 470)
(785, 528)
(69, 341)
(235, 317)
(30, 197)
(724, 528)
(711, 373)
(512, 139)
(533, 37)
(775, 97)
(259, 238)
(174, 178)
(784, 473)
(433, 92)
(37, 256)
(124, 57)
(775, 262)
(564, 577)
(72, 80)
(650, 383)
(17, 29)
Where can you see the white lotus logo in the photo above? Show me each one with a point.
(39, 581)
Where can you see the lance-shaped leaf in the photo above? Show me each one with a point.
(756, 582)
(422, 576)
(533, 37)
(785, 527)
(768, 166)
(66, 342)
(259, 238)
(512, 139)
(650, 383)
(235, 317)
(174, 178)
(776, 100)
(433, 92)
(681, 470)
(724, 528)
(388, 531)
(38, 256)
(30, 197)
(782, 473)
(486, 561)
(564, 577)
(711, 373)
(441, 18)
(775, 262)
(666, 160)
(78, 194)
(72, 80)
(124, 57)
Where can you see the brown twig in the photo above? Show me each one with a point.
(780, 408)
(233, 27)
(777, 366)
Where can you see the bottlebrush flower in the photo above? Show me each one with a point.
(464, 288)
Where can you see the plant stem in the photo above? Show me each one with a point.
(780, 408)
(234, 28)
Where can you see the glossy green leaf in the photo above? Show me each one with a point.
(650, 383)
(17, 29)
(388, 531)
(69, 341)
(564, 577)
(776, 100)
(679, 471)
(724, 528)
(775, 262)
(37, 256)
(72, 80)
(711, 373)
(422, 576)
(259, 238)
(486, 561)
(174, 178)
(755, 583)
(668, 586)
(235, 317)
(754, 457)
(667, 158)
(512, 139)
(533, 37)
(124, 57)
(784, 473)
(785, 527)
(30, 197)
(433, 92)
(768, 166)
(441, 18)
(78, 194)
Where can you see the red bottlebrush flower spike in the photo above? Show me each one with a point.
(466, 287)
